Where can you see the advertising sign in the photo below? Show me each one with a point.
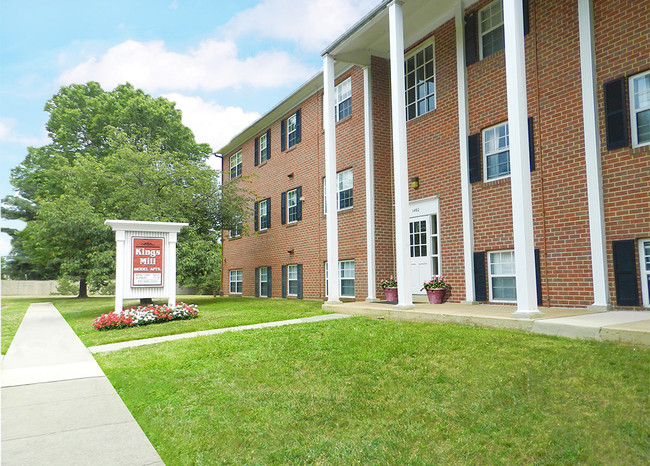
(147, 262)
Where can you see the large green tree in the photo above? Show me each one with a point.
(119, 155)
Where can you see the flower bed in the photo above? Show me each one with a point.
(145, 315)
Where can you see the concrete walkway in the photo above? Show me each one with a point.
(58, 407)
(180, 336)
(627, 327)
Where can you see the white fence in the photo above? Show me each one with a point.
(48, 287)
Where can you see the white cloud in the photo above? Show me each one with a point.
(210, 122)
(312, 25)
(9, 133)
(214, 65)
(5, 244)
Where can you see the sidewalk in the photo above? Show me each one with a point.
(58, 407)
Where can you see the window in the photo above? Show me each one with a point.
(346, 277)
(491, 29)
(236, 231)
(640, 109)
(292, 131)
(502, 276)
(344, 196)
(235, 165)
(292, 279)
(496, 152)
(292, 206)
(265, 150)
(236, 281)
(420, 82)
(343, 99)
(264, 282)
(264, 214)
(644, 262)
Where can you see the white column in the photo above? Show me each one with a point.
(120, 238)
(522, 204)
(170, 269)
(370, 187)
(329, 127)
(592, 157)
(400, 163)
(463, 130)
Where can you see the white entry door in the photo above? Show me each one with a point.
(424, 250)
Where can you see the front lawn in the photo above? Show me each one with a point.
(380, 392)
(213, 313)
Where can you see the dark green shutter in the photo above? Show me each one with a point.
(268, 212)
(299, 281)
(480, 280)
(299, 205)
(256, 226)
(526, 17)
(268, 144)
(283, 135)
(625, 279)
(298, 126)
(284, 281)
(474, 157)
(471, 38)
(257, 282)
(615, 114)
(531, 144)
(283, 207)
(270, 282)
(257, 151)
(538, 277)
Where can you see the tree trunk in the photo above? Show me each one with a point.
(83, 288)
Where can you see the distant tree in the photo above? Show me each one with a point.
(116, 155)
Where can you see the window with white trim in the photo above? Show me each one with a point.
(420, 81)
(496, 152)
(236, 281)
(644, 262)
(344, 196)
(346, 279)
(292, 130)
(237, 231)
(640, 109)
(292, 206)
(491, 29)
(235, 165)
(263, 214)
(264, 281)
(264, 148)
(343, 99)
(292, 280)
(503, 281)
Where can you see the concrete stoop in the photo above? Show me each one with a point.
(626, 327)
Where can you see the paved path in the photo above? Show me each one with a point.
(151, 341)
(58, 407)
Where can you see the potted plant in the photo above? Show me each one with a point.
(436, 288)
(390, 289)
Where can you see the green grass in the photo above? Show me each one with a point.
(213, 313)
(380, 392)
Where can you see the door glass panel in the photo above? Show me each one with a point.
(418, 238)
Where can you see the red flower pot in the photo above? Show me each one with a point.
(436, 295)
(391, 294)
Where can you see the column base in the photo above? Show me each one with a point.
(404, 307)
(601, 307)
(527, 314)
(373, 300)
(333, 302)
(471, 303)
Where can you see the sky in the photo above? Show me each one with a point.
(224, 62)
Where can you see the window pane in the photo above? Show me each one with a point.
(504, 288)
(643, 126)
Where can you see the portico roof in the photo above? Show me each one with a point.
(370, 35)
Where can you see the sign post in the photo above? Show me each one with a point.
(145, 262)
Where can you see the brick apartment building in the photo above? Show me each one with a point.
(440, 124)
